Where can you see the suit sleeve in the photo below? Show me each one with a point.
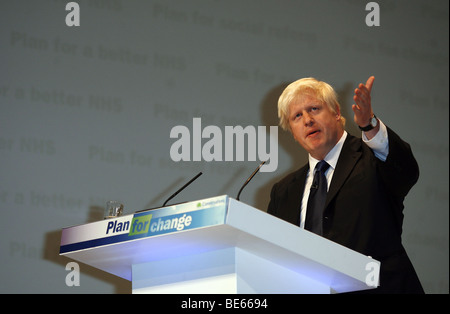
(400, 171)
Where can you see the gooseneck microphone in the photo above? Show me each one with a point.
(248, 180)
(182, 188)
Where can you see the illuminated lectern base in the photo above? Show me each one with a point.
(228, 271)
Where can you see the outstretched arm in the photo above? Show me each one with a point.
(363, 107)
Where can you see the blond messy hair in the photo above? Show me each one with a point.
(311, 87)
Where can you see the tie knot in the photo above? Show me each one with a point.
(322, 166)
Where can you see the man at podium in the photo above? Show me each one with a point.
(352, 189)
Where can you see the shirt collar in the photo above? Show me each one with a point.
(333, 155)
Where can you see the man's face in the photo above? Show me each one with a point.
(314, 125)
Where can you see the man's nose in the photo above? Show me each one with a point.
(307, 119)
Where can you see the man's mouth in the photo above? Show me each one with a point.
(312, 133)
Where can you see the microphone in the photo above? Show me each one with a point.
(251, 177)
(182, 188)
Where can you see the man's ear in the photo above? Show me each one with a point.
(338, 114)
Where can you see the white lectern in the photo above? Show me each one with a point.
(217, 245)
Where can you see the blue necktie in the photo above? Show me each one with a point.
(316, 200)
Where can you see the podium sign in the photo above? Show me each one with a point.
(171, 219)
(216, 245)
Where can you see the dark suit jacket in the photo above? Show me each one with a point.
(364, 207)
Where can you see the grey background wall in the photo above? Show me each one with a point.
(86, 112)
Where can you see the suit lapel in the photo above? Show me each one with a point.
(350, 154)
(295, 194)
